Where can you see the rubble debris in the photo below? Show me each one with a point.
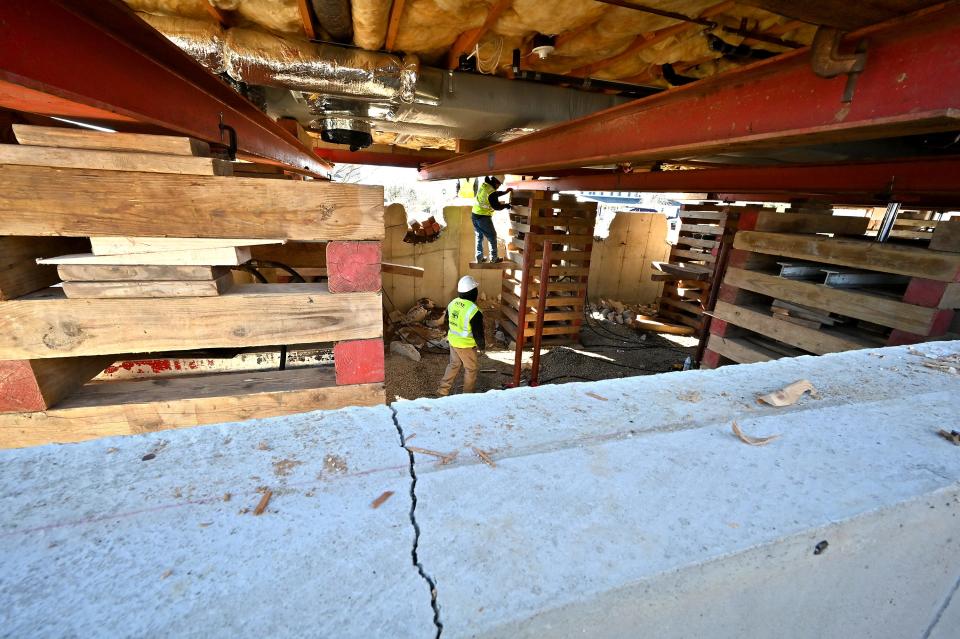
(376, 503)
(952, 436)
(422, 325)
(484, 457)
(690, 396)
(420, 232)
(618, 312)
(790, 394)
(753, 441)
(262, 506)
(443, 458)
(405, 350)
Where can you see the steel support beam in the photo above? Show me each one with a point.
(908, 180)
(99, 56)
(910, 85)
(413, 159)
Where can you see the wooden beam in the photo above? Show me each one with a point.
(128, 245)
(225, 256)
(38, 384)
(144, 406)
(118, 273)
(805, 223)
(393, 26)
(19, 272)
(306, 18)
(61, 137)
(148, 289)
(470, 38)
(49, 325)
(817, 341)
(401, 269)
(19, 154)
(946, 237)
(864, 306)
(45, 201)
(740, 350)
(887, 258)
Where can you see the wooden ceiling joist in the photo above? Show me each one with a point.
(306, 17)
(469, 39)
(393, 26)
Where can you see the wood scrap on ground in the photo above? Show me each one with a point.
(595, 396)
(790, 394)
(262, 506)
(443, 458)
(752, 441)
(484, 457)
(384, 496)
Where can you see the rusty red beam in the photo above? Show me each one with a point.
(411, 160)
(908, 87)
(97, 58)
(903, 180)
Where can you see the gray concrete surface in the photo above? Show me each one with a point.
(621, 508)
(635, 513)
(95, 542)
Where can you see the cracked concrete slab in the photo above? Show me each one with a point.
(156, 535)
(628, 504)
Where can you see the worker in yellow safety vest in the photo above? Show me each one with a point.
(485, 203)
(465, 336)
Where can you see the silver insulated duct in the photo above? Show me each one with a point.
(346, 93)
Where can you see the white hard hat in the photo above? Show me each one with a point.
(466, 284)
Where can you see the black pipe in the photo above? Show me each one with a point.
(334, 18)
(739, 52)
(673, 78)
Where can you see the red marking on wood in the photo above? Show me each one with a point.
(748, 220)
(940, 325)
(359, 361)
(738, 258)
(18, 387)
(711, 359)
(353, 266)
(719, 327)
(728, 294)
(924, 292)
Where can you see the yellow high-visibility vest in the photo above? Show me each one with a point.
(481, 204)
(459, 314)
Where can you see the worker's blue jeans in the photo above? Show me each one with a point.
(483, 225)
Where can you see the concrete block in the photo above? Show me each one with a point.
(617, 506)
(353, 266)
(137, 537)
(359, 361)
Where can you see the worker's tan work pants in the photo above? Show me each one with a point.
(465, 358)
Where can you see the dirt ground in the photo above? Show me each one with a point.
(606, 351)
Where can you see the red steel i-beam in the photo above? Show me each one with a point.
(904, 180)
(97, 59)
(911, 84)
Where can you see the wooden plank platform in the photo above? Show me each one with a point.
(886, 258)
(127, 245)
(880, 310)
(71, 138)
(17, 154)
(49, 325)
(148, 289)
(226, 256)
(143, 406)
(108, 273)
(45, 201)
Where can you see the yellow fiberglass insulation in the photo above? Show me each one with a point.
(279, 16)
(429, 27)
(525, 17)
(182, 8)
(370, 18)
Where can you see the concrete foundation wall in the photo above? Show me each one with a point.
(622, 508)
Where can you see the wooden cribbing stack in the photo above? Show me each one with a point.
(567, 225)
(790, 291)
(706, 231)
(151, 227)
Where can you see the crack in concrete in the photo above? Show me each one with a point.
(941, 610)
(416, 528)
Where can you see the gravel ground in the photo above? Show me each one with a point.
(606, 351)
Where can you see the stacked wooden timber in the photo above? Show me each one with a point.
(156, 218)
(694, 260)
(540, 218)
(791, 292)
